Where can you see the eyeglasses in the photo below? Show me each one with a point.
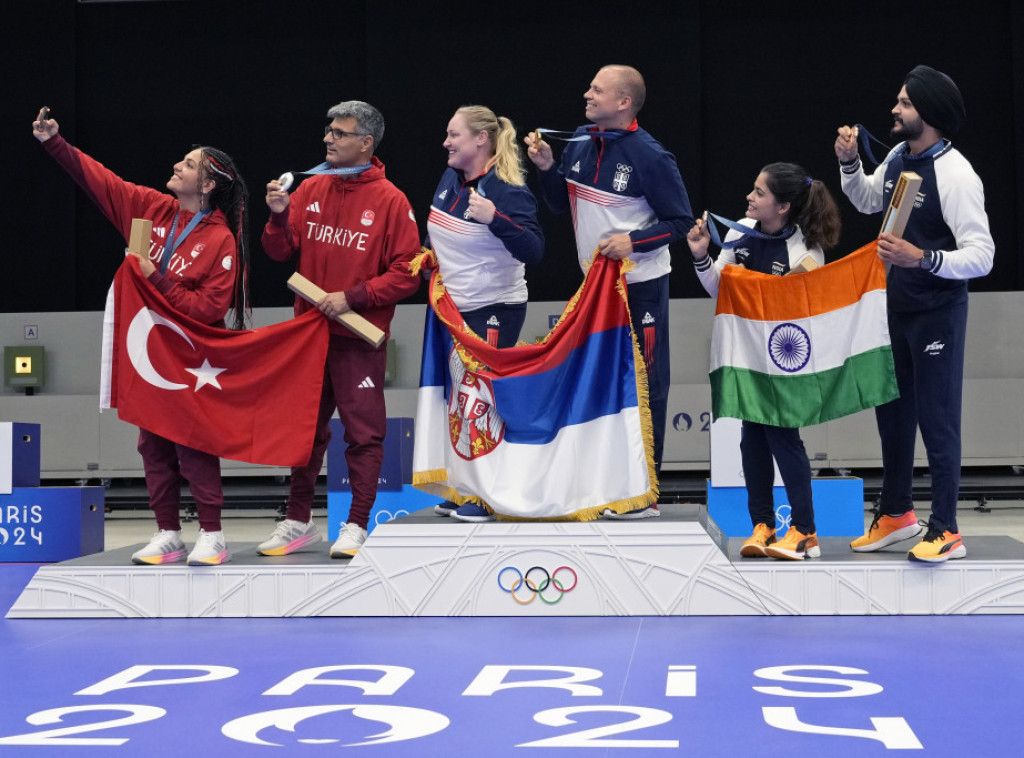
(338, 133)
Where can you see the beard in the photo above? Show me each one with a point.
(902, 131)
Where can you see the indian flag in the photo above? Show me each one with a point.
(804, 349)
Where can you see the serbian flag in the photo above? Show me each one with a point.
(558, 430)
(249, 395)
(804, 349)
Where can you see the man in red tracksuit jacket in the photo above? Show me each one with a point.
(353, 234)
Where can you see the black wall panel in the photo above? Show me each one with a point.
(731, 86)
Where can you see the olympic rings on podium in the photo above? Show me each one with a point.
(535, 590)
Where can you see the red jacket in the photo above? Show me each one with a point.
(200, 275)
(355, 235)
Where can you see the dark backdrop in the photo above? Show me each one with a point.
(731, 86)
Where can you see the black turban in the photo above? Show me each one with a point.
(936, 98)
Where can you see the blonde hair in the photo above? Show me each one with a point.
(505, 156)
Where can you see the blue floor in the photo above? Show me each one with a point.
(509, 687)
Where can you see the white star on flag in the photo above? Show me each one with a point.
(206, 374)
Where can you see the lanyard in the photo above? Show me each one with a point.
(746, 231)
(573, 137)
(172, 243)
(288, 178)
(325, 168)
(867, 137)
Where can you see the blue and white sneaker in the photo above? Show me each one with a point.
(473, 512)
(447, 508)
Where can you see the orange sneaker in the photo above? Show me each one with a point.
(754, 547)
(794, 546)
(887, 530)
(938, 547)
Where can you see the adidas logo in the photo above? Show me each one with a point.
(576, 167)
(443, 195)
(648, 319)
(493, 321)
(314, 206)
(367, 383)
(161, 232)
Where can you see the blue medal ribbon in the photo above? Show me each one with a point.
(747, 231)
(172, 243)
(573, 137)
(325, 168)
(288, 178)
(866, 138)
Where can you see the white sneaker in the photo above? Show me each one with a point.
(290, 536)
(651, 511)
(350, 539)
(165, 547)
(210, 550)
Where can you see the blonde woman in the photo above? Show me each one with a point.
(483, 229)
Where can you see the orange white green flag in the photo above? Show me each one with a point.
(804, 349)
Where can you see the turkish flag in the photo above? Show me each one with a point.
(248, 395)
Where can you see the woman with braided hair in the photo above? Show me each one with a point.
(231, 197)
(198, 260)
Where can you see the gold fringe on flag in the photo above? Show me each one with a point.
(430, 481)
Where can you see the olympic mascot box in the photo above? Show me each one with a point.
(395, 495)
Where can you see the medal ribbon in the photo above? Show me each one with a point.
(867, 137)
(325, 168)
(573, 137)
(172, 243)
(738, 227)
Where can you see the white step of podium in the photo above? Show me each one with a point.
(425, 565)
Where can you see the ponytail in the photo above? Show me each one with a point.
(812, 206)
(819, 218)
(506, 159)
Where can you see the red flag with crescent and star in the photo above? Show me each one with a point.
(245, 395)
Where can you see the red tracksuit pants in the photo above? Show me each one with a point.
(166, 464)
(354, 386)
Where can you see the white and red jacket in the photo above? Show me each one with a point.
(621, 181)
(483, 264)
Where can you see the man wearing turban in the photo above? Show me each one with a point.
(946, 242)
